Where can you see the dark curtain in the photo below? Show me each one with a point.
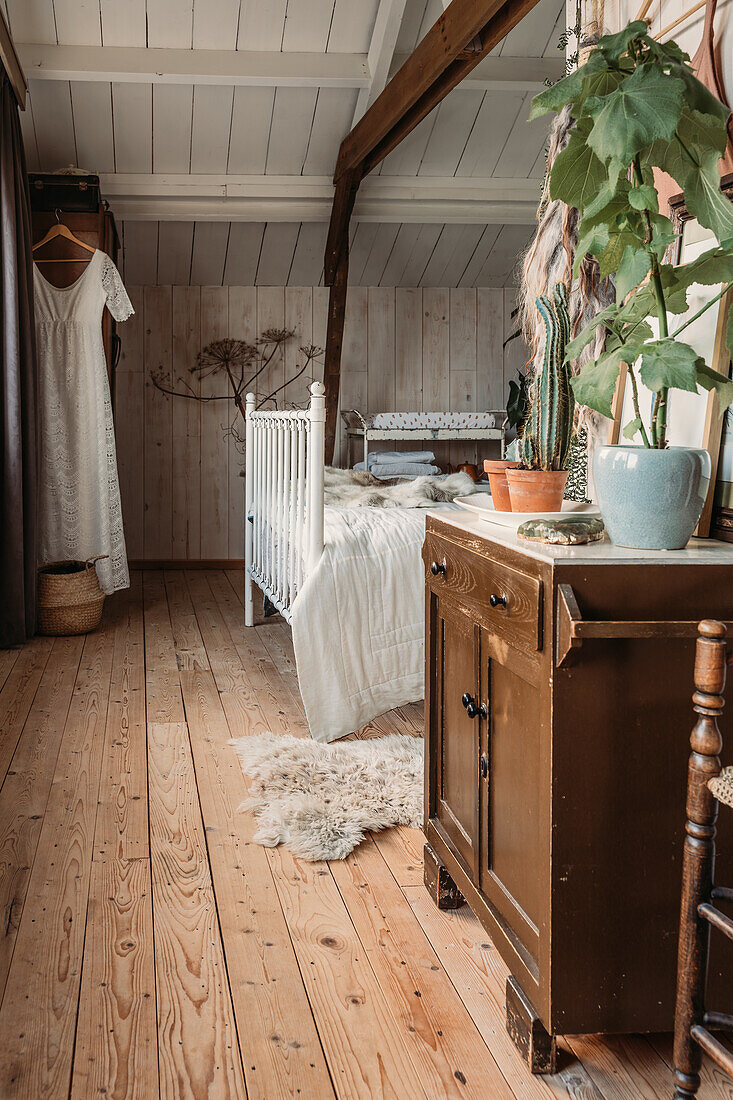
(18, 476)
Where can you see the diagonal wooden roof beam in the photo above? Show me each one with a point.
(454, 45)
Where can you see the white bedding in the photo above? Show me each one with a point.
(358, 621)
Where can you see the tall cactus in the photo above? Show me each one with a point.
(548, 429)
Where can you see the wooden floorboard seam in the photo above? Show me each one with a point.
(11, 916)
(150, 845)
(10, 724)
(417, 980)
(572, 1081)
(89, 883)
(147, 788)
(232, 1081)
(216, 900)
(19, 1064)
(8, 657)
(362, 975)
(199, 1037)
(212, 662)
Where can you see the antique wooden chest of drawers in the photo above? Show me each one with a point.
(558, 716)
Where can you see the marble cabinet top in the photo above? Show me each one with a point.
(697, 552)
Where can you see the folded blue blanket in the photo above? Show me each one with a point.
(379, 458)
(403, 469)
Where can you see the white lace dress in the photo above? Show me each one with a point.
(80, 515)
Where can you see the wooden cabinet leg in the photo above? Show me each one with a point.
(527, 1031)
(438, 883)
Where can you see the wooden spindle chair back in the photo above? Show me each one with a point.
(694, 1024)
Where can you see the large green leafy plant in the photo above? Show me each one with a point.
(638, 105)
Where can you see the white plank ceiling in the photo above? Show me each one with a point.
(289, 253)
(162, 95)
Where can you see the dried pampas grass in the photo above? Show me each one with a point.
(549, 260)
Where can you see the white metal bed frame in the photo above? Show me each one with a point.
(284, 465)
(284, 508)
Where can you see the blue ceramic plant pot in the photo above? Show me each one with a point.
(650, 499)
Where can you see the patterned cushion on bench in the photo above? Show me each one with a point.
(403, 420)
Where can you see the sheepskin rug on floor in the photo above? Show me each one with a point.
(359, 489)
(320, 799)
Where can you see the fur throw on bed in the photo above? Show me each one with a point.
(359, 489)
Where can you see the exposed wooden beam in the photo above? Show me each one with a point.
(458, 41)
(381, 51)
(461, 200)
(439, 63)
(11, 63)
(337, 275)
(337, 243)
(507, 74)
(138, 65)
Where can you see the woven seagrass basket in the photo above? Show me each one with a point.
(70, 600)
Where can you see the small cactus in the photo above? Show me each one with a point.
(548, 429)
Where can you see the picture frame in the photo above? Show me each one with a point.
(695, 420)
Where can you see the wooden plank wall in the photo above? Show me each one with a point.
(407, 349)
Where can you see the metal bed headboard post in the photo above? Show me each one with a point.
(249, 474)
(316, 466)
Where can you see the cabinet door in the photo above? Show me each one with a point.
(454, 735)
(510, 869)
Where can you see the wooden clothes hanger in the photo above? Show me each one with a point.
(61, 230)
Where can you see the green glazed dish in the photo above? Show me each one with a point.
(563, 532)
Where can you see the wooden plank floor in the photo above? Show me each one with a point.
(150, 949)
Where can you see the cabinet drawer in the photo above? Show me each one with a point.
(505, 601)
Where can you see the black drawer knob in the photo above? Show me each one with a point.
(473, 709)
(437, 567)
(497, 601)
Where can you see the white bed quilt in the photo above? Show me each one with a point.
(358, 621)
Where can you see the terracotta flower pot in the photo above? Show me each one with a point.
(536, 490)
(496, 468)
